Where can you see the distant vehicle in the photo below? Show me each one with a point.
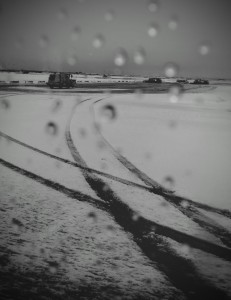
(182, 81)
(200, 81)
(60, 80)
(153, 80)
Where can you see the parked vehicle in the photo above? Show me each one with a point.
(60, 80)
(200, 81)
(153, 80)
(182, 81)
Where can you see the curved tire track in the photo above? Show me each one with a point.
(190, 211)
(180, 271)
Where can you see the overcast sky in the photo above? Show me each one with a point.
(88, 35)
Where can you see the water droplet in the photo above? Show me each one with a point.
(135, 217)
(58, 164)
(148, 156)
(184, 204)
(56, 105)
(75, 34)
(153, 30)
(51, 128)
(121, 58)
(169, 182)
(53, 267)
(148, 281)
(110, 230)
(97, 128)
(62, 14)
(82, 132)
(139, 56)
(175, 92)
(108, 113)
(172, 124)
(101, 144)
(103, 166)
(98, 41)
(119, 150)
(109, 15)
(139, 93)
(164, 203)
(173, 23)
(5, 104)
(42, 251)
(98, 262)
(185, 249)
(171, 70)
(17, 224)
(204, 49)
(43, 41)
(106, 187)
(153, 6)
(92, 217)
(71, 60)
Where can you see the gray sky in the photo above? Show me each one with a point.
(41, 35)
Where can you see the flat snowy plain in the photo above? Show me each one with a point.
(87, 205)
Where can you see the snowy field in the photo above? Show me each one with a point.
(115, 196)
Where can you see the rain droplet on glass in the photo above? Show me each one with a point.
(18, 225)
(92, 217)
(109, 15)
(82, 132)
(172, 124)
(139, 93)
(175, 92)
(62, 14)
(75, 34)
(110, 230)
(153, 6)
(53, 267)
(148, 156)
(153, 30)
(56, 105)
(108, 113)
(184, 204)
(43, 41)
(204, 49)
(71, 60)
(98, 41)
(51, 128)
(169, 182)
(121, 58)
(171, 70)
(5, 104)
(135, 217)
(185, 249)
(173, 23)
(139, 56)
(106, 187)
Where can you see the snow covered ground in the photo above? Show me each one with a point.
(114, 231)
(188, 140)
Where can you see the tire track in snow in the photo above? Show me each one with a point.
(190, 210)
(181, 272)
(77, 195)
(74, 164)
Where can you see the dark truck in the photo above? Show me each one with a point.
(200, 81)
(153, 80)
(60, 80)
